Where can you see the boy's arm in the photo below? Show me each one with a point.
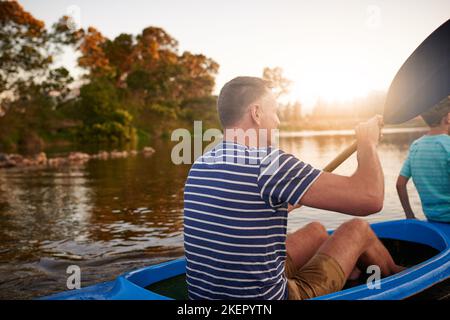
(403, 195)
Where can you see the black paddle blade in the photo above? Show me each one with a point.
(423, 80)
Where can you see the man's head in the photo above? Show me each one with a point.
(439, 115)
(247, 103)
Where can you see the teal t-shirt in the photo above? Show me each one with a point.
(428, 164)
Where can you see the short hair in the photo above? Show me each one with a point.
(236, 95)
(433, 117)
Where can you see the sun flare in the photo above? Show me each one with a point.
(340, 81)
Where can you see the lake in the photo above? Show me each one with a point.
(110, 216)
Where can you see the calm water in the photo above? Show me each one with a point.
(112, 216)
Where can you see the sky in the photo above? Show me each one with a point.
(335, 50)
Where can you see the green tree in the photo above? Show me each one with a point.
(155, 80)
(103, 118)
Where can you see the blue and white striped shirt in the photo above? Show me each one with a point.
(235, 220)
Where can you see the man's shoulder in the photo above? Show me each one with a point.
(272, 155)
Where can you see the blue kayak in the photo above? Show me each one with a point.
(423, 246)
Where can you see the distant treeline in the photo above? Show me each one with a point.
(332, 114)
(335, 115)
(325, 115)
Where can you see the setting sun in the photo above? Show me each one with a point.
(340, 77)
(340, 84)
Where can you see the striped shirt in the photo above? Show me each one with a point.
(235, 220)
(428, 163)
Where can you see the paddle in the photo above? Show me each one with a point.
(420, 84)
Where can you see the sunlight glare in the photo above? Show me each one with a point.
(336, 81)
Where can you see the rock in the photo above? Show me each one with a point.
(6, 164)
(40, 158)
(103, 155)
(15, 160)
(4, 160)
(28, 162)
(55, 162)
(78, 157)
(148, 151)
(118, 154)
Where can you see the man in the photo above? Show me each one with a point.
(428, 163)
(237, 198)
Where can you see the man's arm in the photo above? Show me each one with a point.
(403, 195)
(360, 194)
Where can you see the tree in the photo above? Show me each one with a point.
(93, 56)
(290, 113)
(22, 38)
(279, 83)
(31, 87)
(103, 118)
(296, 113)
(26, 56)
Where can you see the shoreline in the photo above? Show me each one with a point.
(343, 132)
(14, 160)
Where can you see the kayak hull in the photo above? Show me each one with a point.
(132, 285)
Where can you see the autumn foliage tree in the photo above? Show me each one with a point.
(289, 113)
(131, 83)
(153, 82)
(21, 39)
(31, 87)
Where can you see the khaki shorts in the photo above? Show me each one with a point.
(319, 276)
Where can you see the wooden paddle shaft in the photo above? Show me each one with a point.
(344, 155)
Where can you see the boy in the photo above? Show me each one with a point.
(428, 164)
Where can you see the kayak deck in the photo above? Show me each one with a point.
(424, 246)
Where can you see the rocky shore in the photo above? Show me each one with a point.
(74, 158)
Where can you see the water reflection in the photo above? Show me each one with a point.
(115, 215)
